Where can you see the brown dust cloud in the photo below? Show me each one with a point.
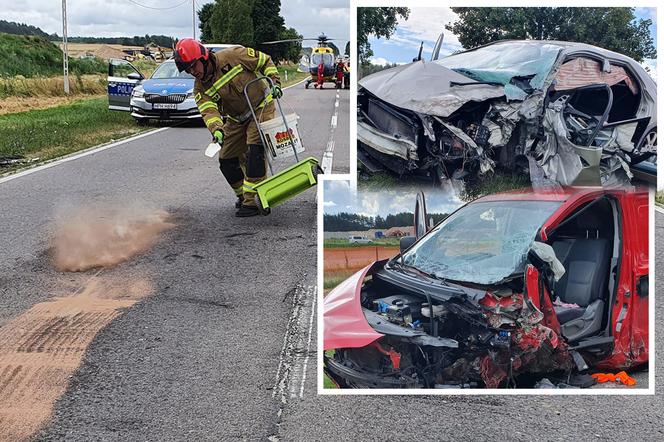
(42, 348)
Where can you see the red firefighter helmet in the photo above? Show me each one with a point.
(187, 51)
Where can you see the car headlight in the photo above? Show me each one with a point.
(138, 93)
(189, 95)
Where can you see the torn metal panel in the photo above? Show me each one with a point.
(383, 143)
(557, 155)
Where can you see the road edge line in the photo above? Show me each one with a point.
(80, 154)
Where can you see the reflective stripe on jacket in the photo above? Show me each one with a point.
(222, 92)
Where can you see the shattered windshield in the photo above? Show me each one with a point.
(169, 70)
(521, 66)
(483, 243)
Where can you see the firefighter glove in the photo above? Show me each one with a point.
(276, 91)
(218, 137)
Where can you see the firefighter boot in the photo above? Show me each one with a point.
(230, 168)
(255, 174)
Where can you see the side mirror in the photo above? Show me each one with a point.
(405, 242)
(420, 221)
(135, 76)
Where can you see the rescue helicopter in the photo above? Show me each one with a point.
(320, 54)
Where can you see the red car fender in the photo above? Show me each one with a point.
(344, 324)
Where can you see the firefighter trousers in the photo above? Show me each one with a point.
(242, 156)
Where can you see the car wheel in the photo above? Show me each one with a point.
(647, 146)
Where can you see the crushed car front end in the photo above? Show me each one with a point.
(566, 113)
(452, 311)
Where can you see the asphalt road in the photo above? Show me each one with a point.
(210, 355)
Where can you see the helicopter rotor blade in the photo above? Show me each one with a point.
(282, 41)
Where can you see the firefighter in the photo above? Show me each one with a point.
(219, 89)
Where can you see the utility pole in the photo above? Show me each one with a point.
(193, 16)
(65, 52)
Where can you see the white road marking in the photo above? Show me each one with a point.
(76, 156)
(659, 209)
(309, 338)
(328, 155)
(294, 356)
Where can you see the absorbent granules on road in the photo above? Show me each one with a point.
(105, 237)
(41, 349)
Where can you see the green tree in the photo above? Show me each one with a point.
(380, 22)
(205, 22)
(347, 49)
(268, 24)
(616, 29)
(231, 22)
(290, 51)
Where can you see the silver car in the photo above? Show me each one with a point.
(560, 112)
(166, 95)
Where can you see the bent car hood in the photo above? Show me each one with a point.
(168, 86)
(425, 88)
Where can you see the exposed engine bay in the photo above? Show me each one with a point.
(484, 339)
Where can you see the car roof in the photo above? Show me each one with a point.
(568, 47)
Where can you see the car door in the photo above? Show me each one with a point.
(122, 78)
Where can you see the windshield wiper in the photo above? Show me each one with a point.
(414, 270)
(492, 83)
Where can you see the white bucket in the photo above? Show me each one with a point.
(276, 138)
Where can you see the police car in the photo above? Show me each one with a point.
(166, 95)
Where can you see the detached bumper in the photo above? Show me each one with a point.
(343, 375)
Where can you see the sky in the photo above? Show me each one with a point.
(338, 197)
(426, 24)
(120, 18)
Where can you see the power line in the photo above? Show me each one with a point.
(159, 9)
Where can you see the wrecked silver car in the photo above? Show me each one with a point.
(566, 113)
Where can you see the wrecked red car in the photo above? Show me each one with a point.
(506, 289)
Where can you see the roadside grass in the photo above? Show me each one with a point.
(293, 75)
(659, 198)
(494, 183)
(49, 133)
(473, 188)
(52, 86)
(327, 382)
(333, 279)
(343, 243)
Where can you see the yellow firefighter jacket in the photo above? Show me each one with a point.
(221, 92)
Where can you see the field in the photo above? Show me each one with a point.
(49, 133)
(31, 56)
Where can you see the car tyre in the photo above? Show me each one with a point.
(649, 141)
